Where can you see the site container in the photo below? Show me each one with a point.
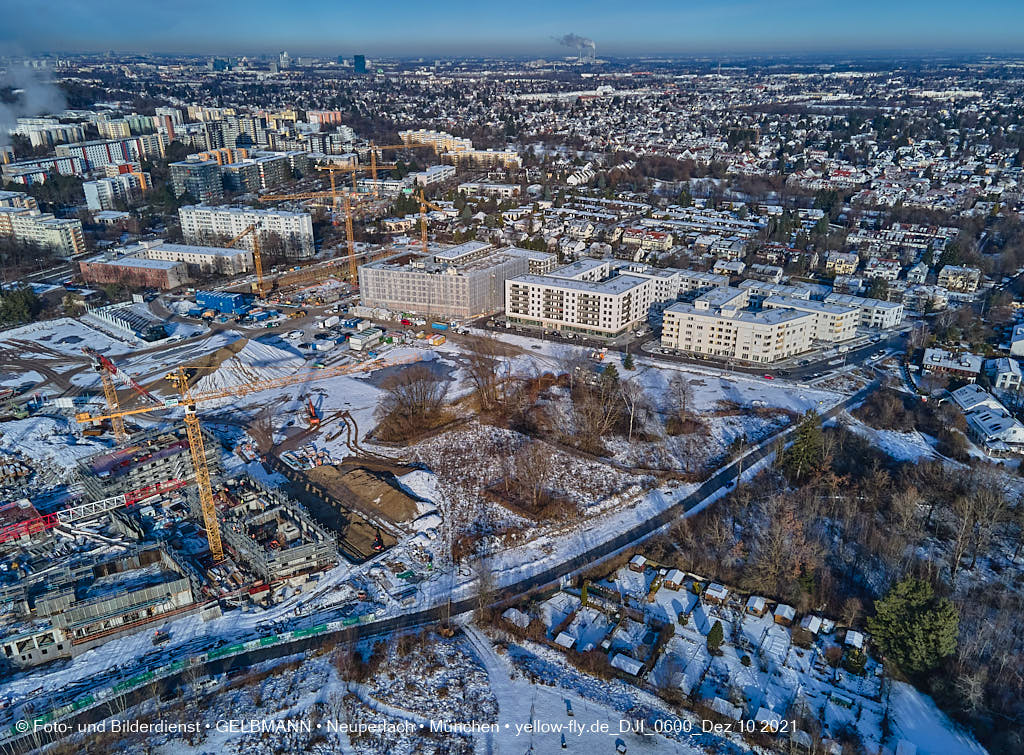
(365, 338)
(331, 321)
(439, 325)
(222, 301)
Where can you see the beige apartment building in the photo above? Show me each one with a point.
(833, 323)
(29, 226)
(716, 324)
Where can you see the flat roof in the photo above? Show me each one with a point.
(764, 317)
(243, 210)
(134, 262)
(616, 285)
(861, 301)
(817, 306)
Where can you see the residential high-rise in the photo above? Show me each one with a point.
(359, 63)
(62, 236)
(203, 225)
(200, 178)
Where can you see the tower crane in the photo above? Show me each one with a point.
(424, 205)
(108, 370)
(256, 259)
(190, 400)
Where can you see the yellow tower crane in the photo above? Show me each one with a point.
(190, 400)
(257, 260)
(375, 148)
(424, 206)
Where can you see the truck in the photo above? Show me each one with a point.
(439, 325)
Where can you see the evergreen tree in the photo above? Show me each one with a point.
(715, 638)
(19, 305)
(805, 457)
(627, 361)
(914, 628)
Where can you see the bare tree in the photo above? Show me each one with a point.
(633, 399)
(532, 465)
(413, 401)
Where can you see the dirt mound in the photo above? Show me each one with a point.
(372, 490)
(196, 369)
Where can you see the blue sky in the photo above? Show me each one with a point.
(439, 27)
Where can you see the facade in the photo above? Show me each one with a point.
(874, 313)
(585, 298)
(716, 325)
(105, 193)
(435, 174)
(36, 171)
(202, 259)
(833, 323)
(18, 199)
(460, 283)
(133, 271)
(200, 225)
(441, 141)
(489, 189)
(201, 179)
(957, 278)
(62, 236)
(102, 152)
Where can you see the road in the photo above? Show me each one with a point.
(722, 479)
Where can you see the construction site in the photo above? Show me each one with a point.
(210, 465)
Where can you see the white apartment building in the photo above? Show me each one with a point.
(201, 224)
(441, 141)
(103, 193)
(29, 226)
(874, 313)
(100, 152)
(435, 174)
(581, 298)
(716, 325)
(489, 189)
(833, 323)
(205, 259)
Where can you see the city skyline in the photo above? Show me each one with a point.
(792, 27)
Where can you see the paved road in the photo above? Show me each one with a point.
(631, 537)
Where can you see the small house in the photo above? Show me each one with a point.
(811, 624)
(516, 618)
(674, 580)
(855, 639)
(623, 662)
(637, 563)
(715, 593)
(784, 615)
(565, 640)
(756, 605)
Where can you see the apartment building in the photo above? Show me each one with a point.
(24, 225)
(435, 174)
(716, 324)
(462, 283)
(100, 152)
(841, 263)
(134, 271)
(585, 297)
(833, 323)
(956, 278)
(201, 179)
(201, 225)
(647, 239)
(18, 199)
(874, 313)
(489, 189)
(105, 193)
(441, 141)
(197, 259)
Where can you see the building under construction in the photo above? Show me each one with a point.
(69, 609)
(150, 459)
(272, 534)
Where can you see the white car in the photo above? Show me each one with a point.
(293, 335)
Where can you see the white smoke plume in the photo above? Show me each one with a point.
(24, 93)
(575, 41)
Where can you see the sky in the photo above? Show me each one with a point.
(515, 27)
